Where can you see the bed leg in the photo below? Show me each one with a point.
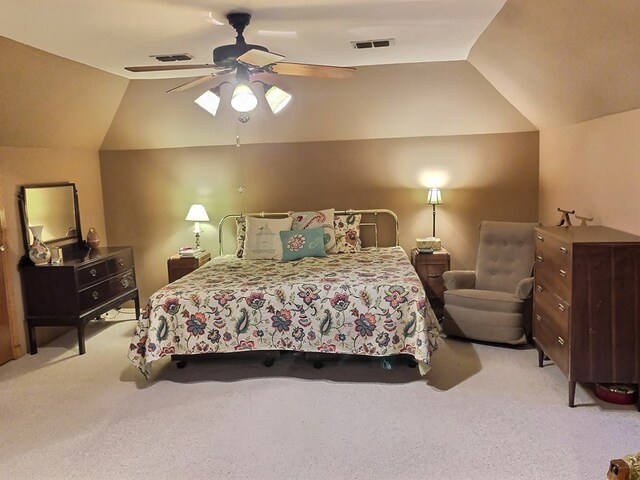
(181, 364)
(318, 364)
(268, 362)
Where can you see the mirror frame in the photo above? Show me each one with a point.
(24, 216)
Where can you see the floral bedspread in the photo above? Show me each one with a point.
(366, 303)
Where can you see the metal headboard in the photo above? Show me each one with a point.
(367, 213)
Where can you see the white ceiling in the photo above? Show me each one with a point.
(112, 34)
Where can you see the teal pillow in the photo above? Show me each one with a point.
(302, 243)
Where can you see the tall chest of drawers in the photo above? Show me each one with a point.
(587, 304)
(87, 284)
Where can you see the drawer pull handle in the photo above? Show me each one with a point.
(433, 276)
(538, 318)
(539, 259)
(93, 272)
(563, 273)
(561, 340)
(539, 288)
(561, 307)
(124, 282)
(564, 250)
(541, 238)
(95, 295)
(120, 262)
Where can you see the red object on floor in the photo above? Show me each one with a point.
(620, 394)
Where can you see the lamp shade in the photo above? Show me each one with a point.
(197, 213)
(210, 101)
(434, 197)
(243, 99)
(276, 98)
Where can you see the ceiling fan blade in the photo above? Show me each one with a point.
(307, 70)
(160, 68)
(198, 81)
(259, 58)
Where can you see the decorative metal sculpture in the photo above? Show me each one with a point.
(565, 220)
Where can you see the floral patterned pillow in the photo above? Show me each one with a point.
(348, 233)
(317, 218)
(241, 233)
(302, 243)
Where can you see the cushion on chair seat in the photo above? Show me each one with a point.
(484, 300)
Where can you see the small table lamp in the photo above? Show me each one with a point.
(434, 198)
(197, 214)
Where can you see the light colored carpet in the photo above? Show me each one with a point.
(482, 412)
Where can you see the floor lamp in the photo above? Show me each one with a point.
(434, 198)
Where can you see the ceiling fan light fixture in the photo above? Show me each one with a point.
(276, 98)
(209, 100)
(243, 98)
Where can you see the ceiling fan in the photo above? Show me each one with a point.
(247, 59)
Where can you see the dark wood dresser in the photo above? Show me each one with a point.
(430, 267)
(87, 284)
(587, 304)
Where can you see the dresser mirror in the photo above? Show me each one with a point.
(55, 207)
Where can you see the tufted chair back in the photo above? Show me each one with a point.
(505, 255)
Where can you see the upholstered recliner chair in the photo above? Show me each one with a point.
(493, 303)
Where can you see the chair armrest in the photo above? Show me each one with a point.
(524, 288)
(457, 279)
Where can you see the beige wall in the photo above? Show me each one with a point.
(147, 193)
(50, 102)
(389, 101)
(593, 167)
(22, 166)
(561, 62)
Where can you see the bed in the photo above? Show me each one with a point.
(368, 303)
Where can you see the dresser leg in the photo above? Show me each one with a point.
(81, 337)
(136, 301)
(33, 342)
(572, 394)
(540, 357)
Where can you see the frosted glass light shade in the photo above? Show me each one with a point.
(276, 98)
(197, 213)
(243, 99)
(434, 197)
(209, 101)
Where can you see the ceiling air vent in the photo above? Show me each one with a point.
(386, 42)
(172, 57)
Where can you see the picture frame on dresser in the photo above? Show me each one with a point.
(84, 283)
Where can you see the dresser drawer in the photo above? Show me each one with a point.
(97, 294)
(120, 262)
(553, 343)
(550, 309)
(92, 273)
(554, 250)
(553, 265)
(431, 276)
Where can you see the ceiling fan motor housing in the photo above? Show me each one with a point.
(226, 55)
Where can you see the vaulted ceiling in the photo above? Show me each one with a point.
(557, 62)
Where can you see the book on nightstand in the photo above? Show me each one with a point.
(190, 252)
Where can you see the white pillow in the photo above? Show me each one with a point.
(262, 241)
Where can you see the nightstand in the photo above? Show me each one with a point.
(178, 266)
(430, 267)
